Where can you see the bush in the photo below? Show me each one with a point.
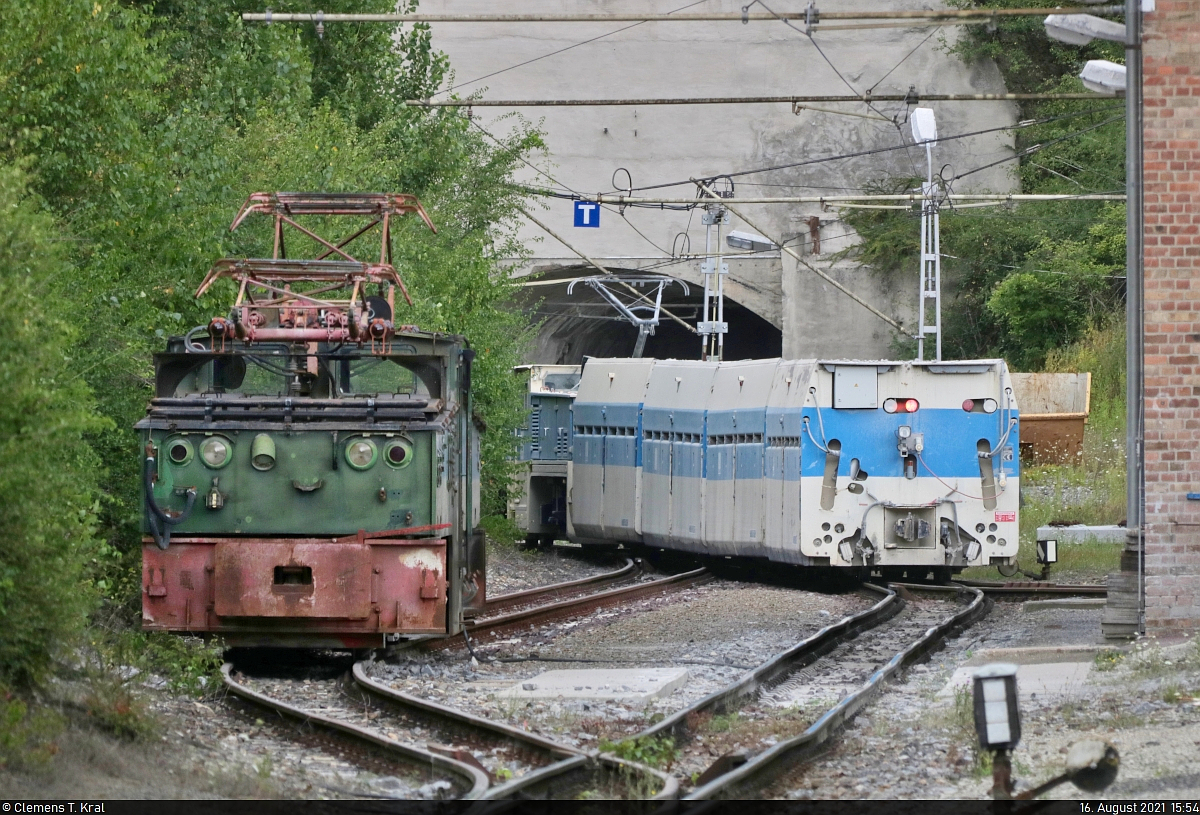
(48, 473)
(28, 736)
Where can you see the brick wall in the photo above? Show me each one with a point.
(1171, 49)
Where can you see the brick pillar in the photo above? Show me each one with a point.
(1171, 49)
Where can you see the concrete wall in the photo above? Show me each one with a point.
(1172, 318)
(659, 144)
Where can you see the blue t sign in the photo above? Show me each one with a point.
(587, 213)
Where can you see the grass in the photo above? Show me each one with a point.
(1108, 660)
(501, 530)
(1090, 490)
(658, 752)
(962, 727)
(29, 734)
(1149, 660)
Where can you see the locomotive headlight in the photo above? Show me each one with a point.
(179, 452)
(262, 452)
(216, 452)
(361, 454)
(398, 453)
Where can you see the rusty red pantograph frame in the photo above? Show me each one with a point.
(318, 314)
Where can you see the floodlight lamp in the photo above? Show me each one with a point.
(924, 125)
(1080, 29)
(1102, 76)
(748, 240)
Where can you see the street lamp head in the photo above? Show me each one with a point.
(748, 240)
(924, 125)
(1102, 76)
(1080, 29)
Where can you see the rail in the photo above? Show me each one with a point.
(562, 764)
(787, 754)
(1035, 589)
(576, 605)
(519, 598)
(474, 779)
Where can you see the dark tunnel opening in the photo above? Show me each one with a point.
(584, 325)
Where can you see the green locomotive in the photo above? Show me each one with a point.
(311, 468)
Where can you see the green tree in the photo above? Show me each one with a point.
(48, 473)
(1059, 260)
(145, 126)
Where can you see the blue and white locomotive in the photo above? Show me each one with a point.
(884, 465)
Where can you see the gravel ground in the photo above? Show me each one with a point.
(511, 569)
(912, 744)
(908, 743)
(329, 698)
(717, 631)
(328, 764)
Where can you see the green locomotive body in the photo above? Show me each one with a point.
(303, 486)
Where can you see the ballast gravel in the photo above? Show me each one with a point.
(716, 631)
(909, 743)
(916, 741)
(511, 569)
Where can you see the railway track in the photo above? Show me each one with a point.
(785, 704)
(475, 757)
(559, 591)
(472, 757)
(1034, 589)
(367, 746)
(571, 607)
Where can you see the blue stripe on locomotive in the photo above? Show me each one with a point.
(870, 436)
(720, 456)
(673, 422)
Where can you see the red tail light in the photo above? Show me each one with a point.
(901, 406)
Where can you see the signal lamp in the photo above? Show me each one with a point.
(901, 406)
(180, 452)
(1047, 552)
(979, 405)
(997, 719)
(216, 452)
(262, 452)
(361, 454)
(398, 454)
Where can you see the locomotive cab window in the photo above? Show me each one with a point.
(375, 375)
(234, 375)
(270, 373)
(562, 382)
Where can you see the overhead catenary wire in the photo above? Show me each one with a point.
(812, 16)
(796, 255)
(570, 47)
(867, 98)
(666, 17)
(832, 200)
(1028, 151)
(1026, 123)
(603, 269)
